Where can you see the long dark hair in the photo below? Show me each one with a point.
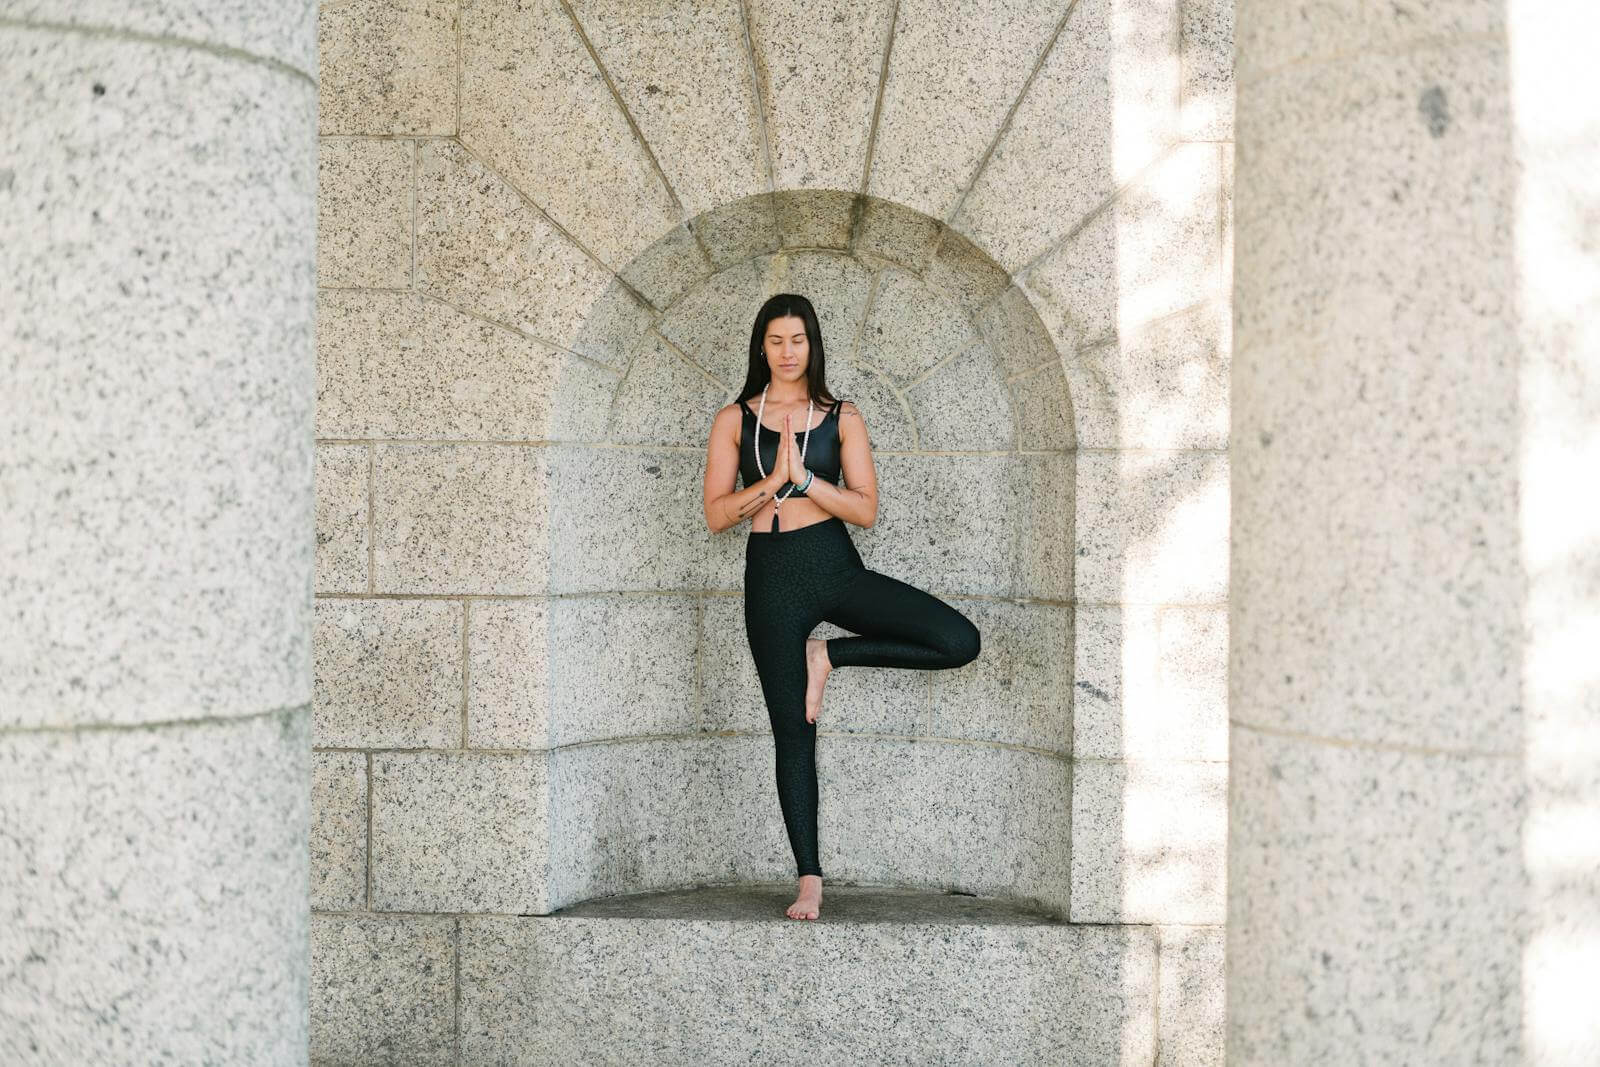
(759, 374)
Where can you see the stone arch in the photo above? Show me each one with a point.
(476, 433)
(660, 754)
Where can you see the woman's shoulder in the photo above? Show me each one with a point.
(727, 420)
(842, 411)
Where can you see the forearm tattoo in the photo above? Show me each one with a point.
(754, 503)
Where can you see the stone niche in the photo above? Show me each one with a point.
(656, 765)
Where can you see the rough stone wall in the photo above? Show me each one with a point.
(544, 231)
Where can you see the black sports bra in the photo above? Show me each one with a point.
(822, 449)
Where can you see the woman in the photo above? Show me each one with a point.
(790, 441)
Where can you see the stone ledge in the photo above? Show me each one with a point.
(763, 901)
(720, 976)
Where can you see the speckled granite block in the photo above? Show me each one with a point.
(1095, 411)
(659, 812)
(672, 264)
(911, 327)
(684, 989)
(882, 409)
(1101, 107)
(1152, 527)
(664, 400)
(341, 491)
(836, 285)
(700, 118)
(995, 525)
(1283, 33)
(712, 322)
(538, 110)
(364, 212)
(818, 67)
(1373, 877)
(1041, 403)
(388, 673)
(1019, 689)
(730, 688)
(1225, 152)
(1154, 250)
(158, 390)
(1207, 52)
(395, 365)
(621, 666)
(633, 520)
(287, 33)
(1395, 587)
(743, 821)
(1287, 32)
(723, 558)
(663, 812)
(1415, 116)
(890, 231)
(460, 519)
(899, 811)
(944, 522)
(460, 831)
(1041, 522)
(154, 885)
(387, 67)
(815, 218)
(1149, 841)
(966, 273)
(735, 231)
(1151, 682)
(955, 69)
(613, 325)
(383, 990)
(483, 247)
(508, 673)
(1162, 386)
(1193, 996)
(1015, 334)
(632, 814)
(338, 831)
(963, 406)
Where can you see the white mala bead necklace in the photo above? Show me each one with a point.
(755, 443)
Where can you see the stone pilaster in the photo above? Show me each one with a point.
(157, 233)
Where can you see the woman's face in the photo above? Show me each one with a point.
(788, 349)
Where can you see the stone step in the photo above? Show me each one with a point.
(719, 975)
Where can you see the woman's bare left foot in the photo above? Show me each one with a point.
(808, 905)
(817, 670)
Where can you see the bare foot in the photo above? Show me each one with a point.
(817, 670)
(808, 905)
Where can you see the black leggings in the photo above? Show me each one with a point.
(795, 579)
